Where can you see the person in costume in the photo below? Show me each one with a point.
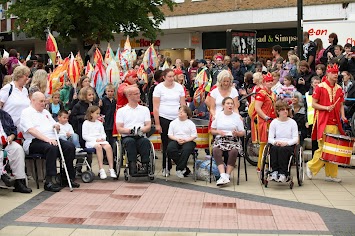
(265, 109)
(328, 98)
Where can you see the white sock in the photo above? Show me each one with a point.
(223, 175)
(227, 176)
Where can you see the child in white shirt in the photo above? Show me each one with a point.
(66, 131)
(182, 132)
(95, 137)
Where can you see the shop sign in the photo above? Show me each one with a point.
(195, 39)
(139, 43)
(322, 30)
(284, 37)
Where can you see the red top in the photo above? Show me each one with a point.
(121, 97)
(326, 96)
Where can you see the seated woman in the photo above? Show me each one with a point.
(227, 126)
(182, 132)
(283, 135)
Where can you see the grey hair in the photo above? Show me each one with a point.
(300, 98)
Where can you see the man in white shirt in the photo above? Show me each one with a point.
(133, 121)
(38, 127)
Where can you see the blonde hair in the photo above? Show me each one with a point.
(7, 80)
(83, 94)
(295, 59)
(110, 86)
(259, 77)
(39, 79)
(20, 71)
(222, 75)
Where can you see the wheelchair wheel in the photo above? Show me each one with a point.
(151, 170)
(118, 154)
(87, 176)
(299, 165)
(251, 150)
(352, 125)
(126, 175)
(264, 171)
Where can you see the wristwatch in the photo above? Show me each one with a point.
(267, 118)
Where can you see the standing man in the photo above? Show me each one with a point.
(276, 53)
(328, 98)
(217, 68)
(309, 51)
(238, 72)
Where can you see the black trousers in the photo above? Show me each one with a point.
(109, 137)
(134, 146)
(164, 123)
(51, 154)
(180, 153)
(280, 157)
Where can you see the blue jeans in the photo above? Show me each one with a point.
(74, 139)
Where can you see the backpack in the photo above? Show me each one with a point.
(203, 170)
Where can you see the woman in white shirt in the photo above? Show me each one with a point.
(182, 132)
(283, 135)
(224, 89)
(167, 97)
(14, 96)
(227, 126)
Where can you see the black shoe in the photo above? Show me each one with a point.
(20, 187)
(50, 186)
(143, 169)
(132, 168)
(187, 172)
(8, 181)
(73, 184)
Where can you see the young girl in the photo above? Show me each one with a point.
(287, 90)
(95, 137)
(293, 65)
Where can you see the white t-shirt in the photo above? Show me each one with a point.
(228, 123)
(42, 121)
(132, 117)
(64, 129)
(219, 98)
(169, 100)
(182, 129)
(283, 131)
(92, 131)
(15, 103)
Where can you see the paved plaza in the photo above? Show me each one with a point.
(184, 207)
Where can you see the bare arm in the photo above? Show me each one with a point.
(147, 126)
(122, 130)
(182, 101)
(236, 105)
(211, 105)
(156, 104)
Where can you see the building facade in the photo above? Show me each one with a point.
(197, 28)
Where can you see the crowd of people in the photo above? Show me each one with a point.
(291, 98)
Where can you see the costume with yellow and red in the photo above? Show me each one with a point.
(326, 121)
(253, 126)
(121, 98)
(268, 98)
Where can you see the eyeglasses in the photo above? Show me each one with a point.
(283, 109)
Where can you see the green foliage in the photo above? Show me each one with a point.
(92, 20)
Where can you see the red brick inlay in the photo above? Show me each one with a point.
(125, 197)
(109, 215)
(66, 220)
(223, 205)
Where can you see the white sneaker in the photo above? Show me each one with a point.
(222, 181)
(166, 173)
(273, 175)
(77, 150)
(282, 178)
(180, 173)
(102, 174)
(308, 172)
(331, 179)
(112, 173)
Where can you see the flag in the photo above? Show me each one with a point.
(79, 59)
(97, 56)
(73, 71)
(108, 55)
(51, 47)
(56, 79)
(29, 56)
(113, 74)
(100, 79)
(150, 59)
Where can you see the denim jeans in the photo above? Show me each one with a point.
(74, 138)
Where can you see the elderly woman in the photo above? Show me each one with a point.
(227, 126)
(224, 89)
(14, 96)
(299, 115)
(283, 135)
(167, 96)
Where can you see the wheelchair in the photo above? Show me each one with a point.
(121, 161)
(296, 159)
